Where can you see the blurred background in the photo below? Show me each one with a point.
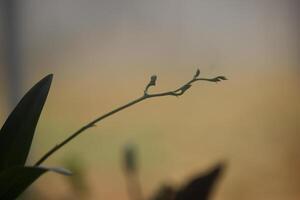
(102, 53)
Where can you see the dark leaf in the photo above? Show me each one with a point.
(15, 180)
(18, 130)
(200, 187)
(166, 192)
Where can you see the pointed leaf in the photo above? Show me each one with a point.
(200, 187)
(18, 130)
(15, 180)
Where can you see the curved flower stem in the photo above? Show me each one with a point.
(177, 92)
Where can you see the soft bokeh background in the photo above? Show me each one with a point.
(102, 54)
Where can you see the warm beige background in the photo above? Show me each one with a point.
(102, 54)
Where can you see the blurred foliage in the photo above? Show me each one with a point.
(78, 180)
(199, 187)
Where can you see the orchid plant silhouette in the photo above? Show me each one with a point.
(18, 130)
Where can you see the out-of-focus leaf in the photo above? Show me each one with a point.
(130, 158)
(18, 130)
(200, 187)
(165, 192)
(15, 180)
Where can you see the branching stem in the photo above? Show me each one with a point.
(177, 92)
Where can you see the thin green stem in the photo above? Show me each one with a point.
(87, 126)
(178, 92)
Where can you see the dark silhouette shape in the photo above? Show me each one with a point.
(200, 188)
(18, 130)
(165, 192)
(15, 141)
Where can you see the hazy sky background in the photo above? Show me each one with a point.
(130, 34)
(102, 54)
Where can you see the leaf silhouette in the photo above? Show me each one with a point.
(200, 187)
(16, 179)
(18, 130)
(165, 192)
